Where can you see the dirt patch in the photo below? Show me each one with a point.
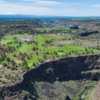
(10, 76)
(96, 95)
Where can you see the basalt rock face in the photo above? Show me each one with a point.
(49, 81)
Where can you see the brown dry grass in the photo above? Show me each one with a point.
(96, 95)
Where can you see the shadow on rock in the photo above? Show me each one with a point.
(64, 69)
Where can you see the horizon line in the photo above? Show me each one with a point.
(46, 15)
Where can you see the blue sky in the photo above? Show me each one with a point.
(51, 7)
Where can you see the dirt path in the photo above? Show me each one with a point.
(96, 95)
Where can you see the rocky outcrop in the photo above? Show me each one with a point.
(72, 68)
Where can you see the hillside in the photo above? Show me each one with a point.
(49, 59)
(57, 80)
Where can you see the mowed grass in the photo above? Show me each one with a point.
(28, 54)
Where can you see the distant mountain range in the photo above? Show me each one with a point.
(23, 17)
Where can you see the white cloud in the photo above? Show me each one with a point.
(36, 8)
(23, 9)
(95, 6)
(49, 7)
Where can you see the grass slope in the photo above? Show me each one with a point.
(21, 51)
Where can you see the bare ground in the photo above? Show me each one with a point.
(96, 95)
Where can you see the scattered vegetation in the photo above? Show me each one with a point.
(42, 47)
(27, 43)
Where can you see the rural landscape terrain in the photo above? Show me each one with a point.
(49, 58)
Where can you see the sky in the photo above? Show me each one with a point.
(50, 7)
